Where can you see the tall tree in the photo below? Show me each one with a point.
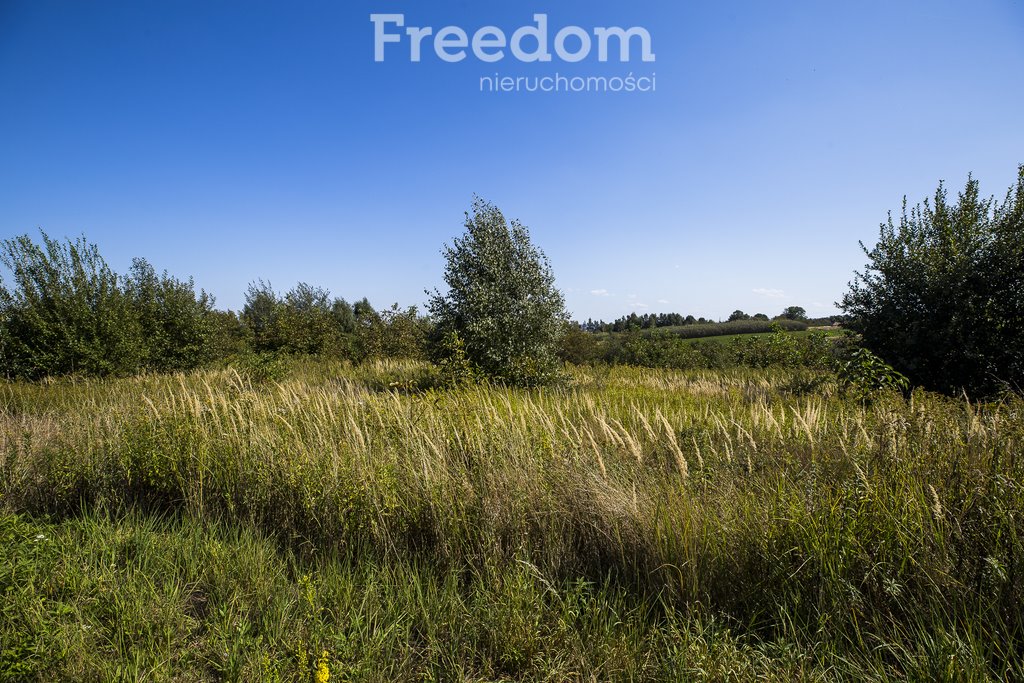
(501, 300)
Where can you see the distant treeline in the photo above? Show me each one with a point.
(649, 321)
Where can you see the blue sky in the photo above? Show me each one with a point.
(237, 140)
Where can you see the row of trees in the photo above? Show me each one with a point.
(648, 321)
(67, 312)
(307, 321)
(941, 300)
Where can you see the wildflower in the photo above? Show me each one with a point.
(323, 671)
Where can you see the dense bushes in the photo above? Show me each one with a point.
(178, 326)
(942, 297)
(306, 321)
(302, 321)
(67, 312)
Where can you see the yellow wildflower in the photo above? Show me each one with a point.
(323, 671)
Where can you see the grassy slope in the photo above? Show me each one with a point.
(638, 525)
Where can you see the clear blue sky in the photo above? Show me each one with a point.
(236, 140)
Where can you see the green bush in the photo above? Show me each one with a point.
(261, 367)
(67, 313)
(864, 374)
(303, 321)
(177, 325)
(942, 296)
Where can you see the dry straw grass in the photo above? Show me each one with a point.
(711, 491)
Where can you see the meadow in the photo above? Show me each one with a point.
(358, 523)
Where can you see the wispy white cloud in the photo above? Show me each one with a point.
(640, 305)
(600, 292)
(663, 301)
(769, 293)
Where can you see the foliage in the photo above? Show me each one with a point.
(578, 346)
(177, 325)
(229, 336)
(777, 349)
(67, 312)
(662, 349)
(303, 321)
(261, 367)
(392, 333)
(501, 300)
(794, 313)
(742, 326)
(864, 373)
(344, 316)
(454, 367)
(942, 296)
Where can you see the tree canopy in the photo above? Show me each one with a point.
(501, 302)
(942, 296)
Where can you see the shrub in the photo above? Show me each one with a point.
(393, 333)
(864, 373)
(65, 313)
(303, 321)
(177, 325)
(942, 296)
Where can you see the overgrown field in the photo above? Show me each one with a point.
(630, 525)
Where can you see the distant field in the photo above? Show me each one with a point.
(725, 338)
(726, 330)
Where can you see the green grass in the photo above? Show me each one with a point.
(713, 329)
(631, 525)
(726, 338)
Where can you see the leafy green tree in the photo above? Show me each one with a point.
(177, 324)
(738, 315)
(260, 314)
(228, 334)
(306, 321)
(344, 316)
(501, 300)
(794, 313)
(941, 299)
(578, 346)
(303, 321)
(392, 333)
(64, 312)
(364, 312)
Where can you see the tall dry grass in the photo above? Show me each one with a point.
(886, 533)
